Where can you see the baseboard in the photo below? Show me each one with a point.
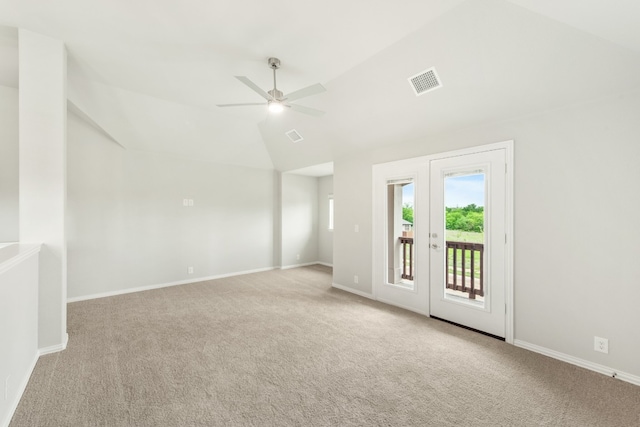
(601, 369)
(306, 264)
(165, 285)
(353, 291)
(404, 307)
(21, 389)
(54, 348)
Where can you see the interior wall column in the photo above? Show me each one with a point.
(42, 134)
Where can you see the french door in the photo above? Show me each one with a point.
(454, 261)
(467, 240)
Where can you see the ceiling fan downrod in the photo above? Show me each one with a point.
(274, 63)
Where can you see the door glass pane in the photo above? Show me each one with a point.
(400, 247)
(465, 269)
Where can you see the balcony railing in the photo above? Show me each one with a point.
(407, 257)
(464, 265)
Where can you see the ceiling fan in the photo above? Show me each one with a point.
(276, 100)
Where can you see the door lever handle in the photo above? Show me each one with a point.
(435, 246)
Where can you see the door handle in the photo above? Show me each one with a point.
(435, 246)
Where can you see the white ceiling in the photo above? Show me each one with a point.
(150, 73)
(323, 169)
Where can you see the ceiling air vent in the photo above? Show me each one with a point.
(294, 136)
(425, 81)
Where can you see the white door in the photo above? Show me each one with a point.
(467, 240)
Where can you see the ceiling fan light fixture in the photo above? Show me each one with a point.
(276, 107)
(276, 100)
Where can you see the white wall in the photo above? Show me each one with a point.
(42, 127)
(576, 202)
(128, 228)
(8, 164)
(18, 323)
(299, 220)
(325, 236)
(353, 199)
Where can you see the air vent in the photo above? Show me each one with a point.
(425, 81)
(294, 136)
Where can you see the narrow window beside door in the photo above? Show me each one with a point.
(400, 244)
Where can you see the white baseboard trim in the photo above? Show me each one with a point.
(165, 285)
(353, 291)
(326, 264)
(21, 388)
(404, 307)
(306, 264)
(54, 348)
(601, 369)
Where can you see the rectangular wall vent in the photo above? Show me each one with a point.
(425, 81)
(294, 136)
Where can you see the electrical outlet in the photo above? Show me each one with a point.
(6, 387)
(601, 345)
(298, 256)
(355, 279)
(356, 228)
(190, 202)
(185, 202)
(190, 270)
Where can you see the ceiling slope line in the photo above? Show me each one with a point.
(71, 106)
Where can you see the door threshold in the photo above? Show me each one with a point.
(468, 328)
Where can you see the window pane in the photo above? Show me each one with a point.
(464, 223)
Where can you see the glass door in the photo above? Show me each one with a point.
(467, 240)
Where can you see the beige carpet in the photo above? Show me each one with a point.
(282, 348)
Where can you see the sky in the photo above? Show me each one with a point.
(407, 194)
(460, 191)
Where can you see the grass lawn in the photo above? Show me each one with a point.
(464, 236)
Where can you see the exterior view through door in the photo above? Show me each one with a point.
(467, 240)
(441, 243)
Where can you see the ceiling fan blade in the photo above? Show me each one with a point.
(306, 110)
(240, 105)
(307, 91)
(254, 86)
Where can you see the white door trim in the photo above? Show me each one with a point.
(382, 169)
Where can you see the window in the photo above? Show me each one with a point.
(400, 250)
(330, 211)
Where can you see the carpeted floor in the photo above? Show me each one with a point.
(283, 348)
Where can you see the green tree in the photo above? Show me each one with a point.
(407, 213)
(453, 216)
(468, 218)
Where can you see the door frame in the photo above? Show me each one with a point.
(384, 170)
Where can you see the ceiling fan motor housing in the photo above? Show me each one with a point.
(274, 63)
(276, 94)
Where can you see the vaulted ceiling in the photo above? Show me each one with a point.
(151, 73)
